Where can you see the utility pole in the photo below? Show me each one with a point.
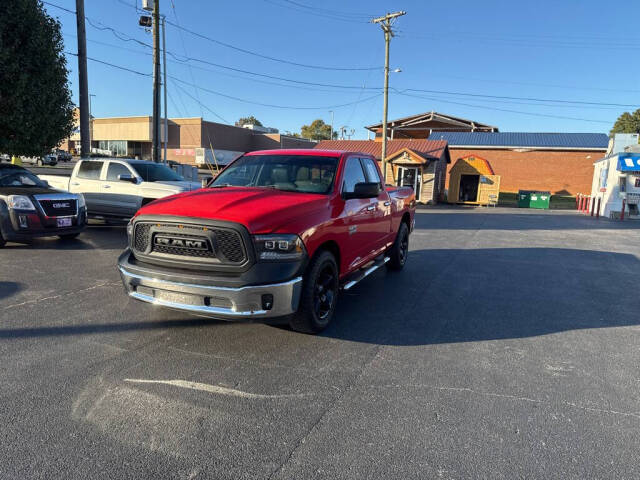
(331, 135)
(155, 134)
(164, 81)
(83, 82)
(385, 22)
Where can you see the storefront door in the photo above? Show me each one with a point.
(410, 177)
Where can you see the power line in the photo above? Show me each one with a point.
(112, 65)
(198, 102)
(267, 57)
(286, 107)
(316, 13)
(504, 109)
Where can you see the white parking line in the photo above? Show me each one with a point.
(205, 387)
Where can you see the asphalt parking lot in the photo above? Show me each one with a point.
(509, 347)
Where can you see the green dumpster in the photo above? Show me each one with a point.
(539, 199)
(524, 198)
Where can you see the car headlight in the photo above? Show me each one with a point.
(279, 247)
(20, 202)
(81, 202)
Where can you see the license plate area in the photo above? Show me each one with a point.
(63, 222)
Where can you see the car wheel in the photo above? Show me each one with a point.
(2, 241)
(68, 236)
(400, 250)
(319, 295)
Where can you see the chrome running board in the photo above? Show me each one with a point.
(364, 273)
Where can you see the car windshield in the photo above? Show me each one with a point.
(19, 178)
(292, 173)
(155, 172)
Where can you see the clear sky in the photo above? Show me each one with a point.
(561, 50)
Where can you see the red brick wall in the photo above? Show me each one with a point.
(557, 171)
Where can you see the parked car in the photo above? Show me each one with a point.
(29, 208)
(62, 155)
(5, 157)
(48, 159)
(277, 233)
(117, 188)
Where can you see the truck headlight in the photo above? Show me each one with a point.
(20, 202)
(81, 202)
(279, 247)
(130, 230)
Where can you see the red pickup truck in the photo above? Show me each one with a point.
(278, 233)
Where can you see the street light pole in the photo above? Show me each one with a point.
(385, 23)
(155, 134)
(90, 125)
(83, 82)
(331, 135)
(164, 81)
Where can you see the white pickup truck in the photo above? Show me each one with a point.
(116, 188)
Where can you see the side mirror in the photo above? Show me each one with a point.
(46, 184)
(364, 190)
(127, 177)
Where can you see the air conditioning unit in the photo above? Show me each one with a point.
(148, 5)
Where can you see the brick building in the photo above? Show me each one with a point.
(558, 162)
(190, 139)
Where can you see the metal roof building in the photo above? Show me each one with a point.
(517, 140)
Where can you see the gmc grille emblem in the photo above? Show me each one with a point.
(61, 205)
(180, 242)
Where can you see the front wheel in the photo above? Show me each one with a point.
(400, 250)
(319, 295)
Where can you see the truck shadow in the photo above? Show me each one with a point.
(449, 296)
(8, 289)
(94, 236)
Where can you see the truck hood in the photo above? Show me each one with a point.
(261, 210)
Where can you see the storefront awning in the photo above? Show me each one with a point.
(628, 162)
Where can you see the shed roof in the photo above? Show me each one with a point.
(568, 141)
(429, 149)
(433, 121)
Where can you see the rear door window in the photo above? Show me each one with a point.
(90, 170)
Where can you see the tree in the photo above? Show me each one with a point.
(248, 121)
(36, 112)
(627, 123)
(318, 130)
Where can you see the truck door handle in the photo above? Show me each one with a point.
(75, 184)
(387, 203)
(371, 207)
(106, 186)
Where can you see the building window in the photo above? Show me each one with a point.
(118, 148)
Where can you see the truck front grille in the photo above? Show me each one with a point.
(59, 208)
(221, 245)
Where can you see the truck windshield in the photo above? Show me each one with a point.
(19, 178)
(155, 172)
(292, 173)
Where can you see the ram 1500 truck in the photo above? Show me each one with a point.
(115, 188)
(277, 234)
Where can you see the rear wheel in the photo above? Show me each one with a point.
(400, 249)
(319, 295)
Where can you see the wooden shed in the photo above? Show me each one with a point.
(425, 172)
(472, 181)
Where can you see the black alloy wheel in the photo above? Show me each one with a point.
(399, 252)
(325, 292)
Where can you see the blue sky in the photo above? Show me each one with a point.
(566, 50)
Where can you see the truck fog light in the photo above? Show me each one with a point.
(22, 220)
(267, 301)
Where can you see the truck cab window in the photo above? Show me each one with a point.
(116, 169)
(90, 170)
(372, 170)
(352, 174)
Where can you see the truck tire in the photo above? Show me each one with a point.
(398, 252)
(2, 240)
(319, 295)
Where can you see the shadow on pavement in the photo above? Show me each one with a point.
(7, 289)
(455, 295)
(95, 236)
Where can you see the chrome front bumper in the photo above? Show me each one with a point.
(216, 302)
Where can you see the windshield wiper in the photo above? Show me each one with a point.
(221, 185)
